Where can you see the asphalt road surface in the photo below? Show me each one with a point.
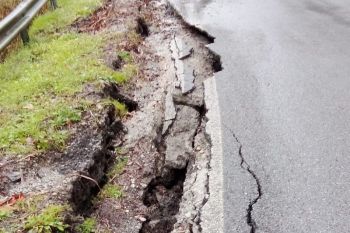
(284, 98)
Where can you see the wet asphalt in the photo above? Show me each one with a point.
(284, 97)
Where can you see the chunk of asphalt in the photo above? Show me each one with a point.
(184, 73)
(184, 51)
(179, 141)
(193, 100)
(170, 111)
(187, 80)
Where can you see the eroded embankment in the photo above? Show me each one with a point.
(163, 184)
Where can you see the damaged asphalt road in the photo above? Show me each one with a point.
(140, 171)
(284, 104)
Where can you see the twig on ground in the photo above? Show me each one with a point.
(88, 178)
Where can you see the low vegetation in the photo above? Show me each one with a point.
(67, 12)
(88, 226)
(5, 213)
(40, 83)
(110, 191)
(50, 220)
(118, 168)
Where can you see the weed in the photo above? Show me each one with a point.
(28, 205)
(125, 56)
(50, 220)
(121, 108)
(118, 168)
(65, 116)
(4, 213)
(111, 191)
(88, 226)
(129, 71)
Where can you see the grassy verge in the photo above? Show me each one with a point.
(39, 84)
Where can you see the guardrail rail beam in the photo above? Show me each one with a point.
(17, 22)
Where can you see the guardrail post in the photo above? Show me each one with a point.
(53, 4)
(25, 36)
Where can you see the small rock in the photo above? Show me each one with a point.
(142, 219)
(118, 206)
(15, 177)
(99, 106)
(29, 141)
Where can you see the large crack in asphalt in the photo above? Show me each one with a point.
(244, 165)
(195, 177)
(172, 173)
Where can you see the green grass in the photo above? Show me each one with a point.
(125, 56)
(49, 220)
(110, 191)
(39, 84)
(88, 226)
(5, 213)
(121, 108)
(118, 167)
(66, 13)
(37, 98)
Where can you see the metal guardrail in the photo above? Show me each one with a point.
(18, 20)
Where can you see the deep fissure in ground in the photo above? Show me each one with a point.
(94, 178)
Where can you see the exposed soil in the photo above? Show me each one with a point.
(165, 181)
